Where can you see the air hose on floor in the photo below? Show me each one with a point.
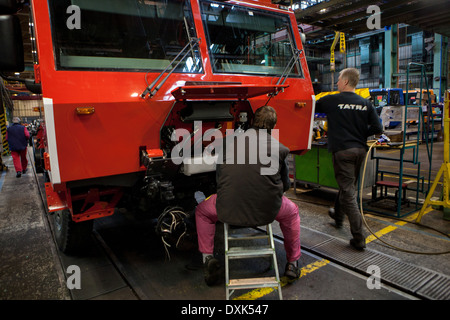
(370, 230)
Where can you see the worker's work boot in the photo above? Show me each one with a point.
(292, 271)
(211, 270)
(358, 244)
(337, 223)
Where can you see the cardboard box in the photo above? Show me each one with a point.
(395, 115)
(396, 137)
(425, 97)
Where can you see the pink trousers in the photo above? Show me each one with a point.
(20, 160)
(288, 218)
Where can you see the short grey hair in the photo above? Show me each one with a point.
(352, 75)
(16, 120)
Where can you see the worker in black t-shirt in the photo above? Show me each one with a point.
(351, 119)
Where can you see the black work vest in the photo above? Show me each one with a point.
(250, 185)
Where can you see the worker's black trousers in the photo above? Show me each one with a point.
(347, 165)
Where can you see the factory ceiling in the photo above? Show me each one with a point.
(359, 16)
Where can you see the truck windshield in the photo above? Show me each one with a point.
(247, 40)
(122, 34)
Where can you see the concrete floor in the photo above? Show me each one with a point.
(29, 263)
(129, 262)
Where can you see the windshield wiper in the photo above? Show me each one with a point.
(287, 70)
(153, 88)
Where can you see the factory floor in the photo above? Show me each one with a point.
(127, 261)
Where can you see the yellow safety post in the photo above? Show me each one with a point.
(3, 131)
(333, 46)
(342, 42)
(332, 61)
(443, 171)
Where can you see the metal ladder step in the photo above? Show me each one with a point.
(249, 252)
(249, 283)
(247, 236)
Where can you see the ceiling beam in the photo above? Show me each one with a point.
(394, 7)
(402, 14)
(351, 17)
(300, 14)
(348, 7)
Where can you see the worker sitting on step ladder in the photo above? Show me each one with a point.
(248, 195)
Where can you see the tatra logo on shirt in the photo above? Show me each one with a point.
(343, 106)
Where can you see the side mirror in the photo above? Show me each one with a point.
(302, 34)
(32, 86)
(11, 44)
(303, 37)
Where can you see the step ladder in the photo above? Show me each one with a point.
(248, 252)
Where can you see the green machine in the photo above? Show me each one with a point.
(316, 167)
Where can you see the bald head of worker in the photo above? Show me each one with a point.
(348, 80)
